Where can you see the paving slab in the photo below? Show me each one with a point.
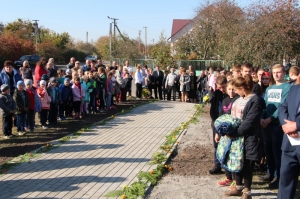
(100, 160)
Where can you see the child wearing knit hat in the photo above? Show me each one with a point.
(22, 100)
(34, 105)
(8, 106)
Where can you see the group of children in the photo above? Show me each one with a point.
(253, 96)
(60, 94)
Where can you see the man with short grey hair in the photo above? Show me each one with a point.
(170, 84)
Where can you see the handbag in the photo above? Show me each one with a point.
(230, 153)
(117, 90)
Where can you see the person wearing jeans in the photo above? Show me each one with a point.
(138, 82)
(22, 100)
(272, 132)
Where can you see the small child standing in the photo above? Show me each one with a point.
(55, 101)
(66, 94)
(22, 100)
(45, 102)
(34, 105)
(87, 90)
(8, 106)
(226, 109)
(109, 90)
(78, 95)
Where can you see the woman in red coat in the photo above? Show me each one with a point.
(40, 70)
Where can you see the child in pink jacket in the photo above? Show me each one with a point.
(78, 95)
(45, 102)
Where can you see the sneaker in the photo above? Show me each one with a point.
(62, 118)
(27, 129)
(113, 107)
(232, 185)
(108, 109)
(6, 137)
(265, 178)
(274, 184)
(233, 192)
(44, 127)
(102, 111)
(20, 133)
(215, 170)
(224, 182)
(246, 194)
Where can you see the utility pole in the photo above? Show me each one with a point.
(139, 40)
(110, 34)
(115, 24)
(152, 41)
(36, 30)
(145, 42)
(87, 37)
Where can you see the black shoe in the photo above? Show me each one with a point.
(274, 184)
(215, 170)
(265, 178)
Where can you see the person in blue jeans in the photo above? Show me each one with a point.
(272, 132)
(22, 100)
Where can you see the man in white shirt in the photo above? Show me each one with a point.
(170, 82)
(138, 81)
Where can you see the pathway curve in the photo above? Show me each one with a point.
(100, 160)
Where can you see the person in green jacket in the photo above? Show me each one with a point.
(272, 133)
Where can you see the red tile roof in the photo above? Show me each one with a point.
(178, 24)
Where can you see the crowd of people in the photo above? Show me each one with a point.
(268, 107)
(56, 94)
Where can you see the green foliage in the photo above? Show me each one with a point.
(162, 53)
(158, 158)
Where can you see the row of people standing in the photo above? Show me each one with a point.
(265, 126)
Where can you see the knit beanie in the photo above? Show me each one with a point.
(66, 79)
(4, 87)
(20, 83)
(28, 82)
(52, 80)
(43, 82)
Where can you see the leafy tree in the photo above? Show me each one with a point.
(162, 52)
(13, 48)
(126, 48)
(23, 29)
(102, 47)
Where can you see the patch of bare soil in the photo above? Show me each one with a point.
(193, 161)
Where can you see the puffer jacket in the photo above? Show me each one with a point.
(7, 105)
(4, 78)
(21, 103)
(77, 93)
(45, 99)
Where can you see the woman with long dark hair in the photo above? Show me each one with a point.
(247, 107)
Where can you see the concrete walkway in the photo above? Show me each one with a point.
(99, 161)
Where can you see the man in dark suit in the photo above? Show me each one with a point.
(289, 117)
(159, 76)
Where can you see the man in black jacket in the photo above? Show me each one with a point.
(216, 101)
(159, 76)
